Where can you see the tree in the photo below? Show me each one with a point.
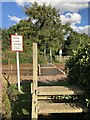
(74, 41)
(47, 26)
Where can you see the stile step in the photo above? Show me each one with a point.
(59, 90)
(60, 108)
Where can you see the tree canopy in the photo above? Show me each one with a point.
(47, 26)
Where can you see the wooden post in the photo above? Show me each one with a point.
(34, 84)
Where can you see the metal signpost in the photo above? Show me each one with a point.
(17, 46)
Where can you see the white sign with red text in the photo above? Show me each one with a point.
(17, 43)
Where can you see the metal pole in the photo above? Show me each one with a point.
(18, 70)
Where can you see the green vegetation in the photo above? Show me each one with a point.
(9, 97)
(22, 106)
(79, 68)
(43, 27)
(17, 105)
(79, 65)
(6, 106)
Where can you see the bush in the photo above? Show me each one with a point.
(6, 106)
(42, 59)
(79, 67)
(8, 99)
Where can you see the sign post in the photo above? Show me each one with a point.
(18, 70)
(17, 45)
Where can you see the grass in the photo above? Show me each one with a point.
(22, 106)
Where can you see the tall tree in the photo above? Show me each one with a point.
(47, 26)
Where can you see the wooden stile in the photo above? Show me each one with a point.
(42, 95)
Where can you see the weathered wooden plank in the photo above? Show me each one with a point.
(60, 108)
(34, 85)
(59, 90)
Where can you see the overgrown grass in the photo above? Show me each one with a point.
(22, 106)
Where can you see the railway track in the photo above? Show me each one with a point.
(43, 69)
(46, 73)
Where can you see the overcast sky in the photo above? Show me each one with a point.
(77, 13)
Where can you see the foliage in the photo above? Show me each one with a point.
(16, 104)
(73, 41)
(79, 64)
(43, 26)
(6, 107)
(47, 26)
(41, 59)
(8, 99)
(11, 92)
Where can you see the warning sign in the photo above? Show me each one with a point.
(17, 43)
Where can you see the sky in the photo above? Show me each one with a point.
(77, 13)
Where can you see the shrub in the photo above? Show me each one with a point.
(42, 59)
(79, 67)
(8, 99)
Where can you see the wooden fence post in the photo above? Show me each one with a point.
(34, 84)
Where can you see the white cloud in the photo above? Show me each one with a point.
(14, 18)
(50, 1)
(72, 7)
(62, 5)
(75, 18)
(81, 29)
(71, 18)
(84, 29)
